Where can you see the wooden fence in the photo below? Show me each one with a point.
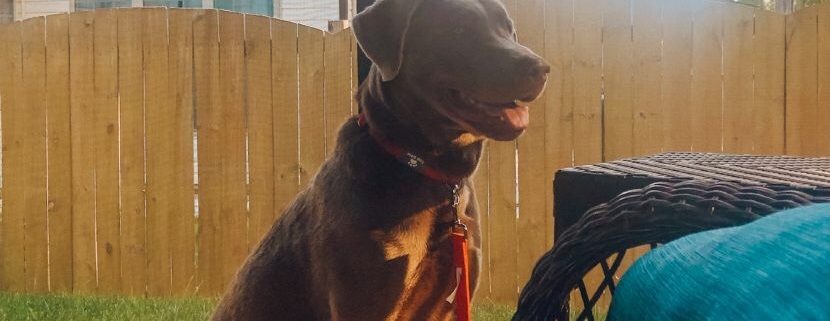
(635, 77)
(99, 115)
(98, 126)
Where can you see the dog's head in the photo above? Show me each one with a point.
(460, 58)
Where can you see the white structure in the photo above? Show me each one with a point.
(315, 13)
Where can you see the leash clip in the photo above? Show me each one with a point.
(459, 228)
(455, 198)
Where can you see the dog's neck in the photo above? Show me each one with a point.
(403, 119)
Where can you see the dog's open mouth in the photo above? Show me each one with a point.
(514, 114)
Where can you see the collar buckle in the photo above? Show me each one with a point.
(413, 161)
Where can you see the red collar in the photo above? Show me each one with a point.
(409, 159)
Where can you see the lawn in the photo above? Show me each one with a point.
(25, 307)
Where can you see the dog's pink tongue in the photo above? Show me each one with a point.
(518, 117)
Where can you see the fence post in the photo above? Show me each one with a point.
(363, 62)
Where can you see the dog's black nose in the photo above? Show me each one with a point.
(537, 68)
(544, 68)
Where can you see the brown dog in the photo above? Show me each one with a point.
(369, 238)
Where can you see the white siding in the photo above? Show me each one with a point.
(315, 13)
(34, 8)
(6, 11)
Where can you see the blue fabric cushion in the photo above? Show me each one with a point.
(776, 268)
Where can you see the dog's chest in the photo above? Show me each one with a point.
(415, 237)
(422, 235)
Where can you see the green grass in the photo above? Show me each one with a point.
(71, 308)
(26, 307)
(492, 312)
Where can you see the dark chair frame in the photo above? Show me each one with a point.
(658, 213)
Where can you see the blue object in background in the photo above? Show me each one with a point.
(776, 268)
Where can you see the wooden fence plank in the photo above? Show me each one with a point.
(587, 82)
(105, 130)
(286, 113)
(588, 127)
(503, 202)
(181, 231)
(707, 85)
(618, 53)
(209, 122)
(312, 122)
(160, 147)
(260, 126)
(503, 229)
(81, 36)
(59, 152)
(770, 69)
(587, 94)
(648, 111)
(648, 85)
(131, 93)
(33, 37)
(12, 262)
(481, 181)
(338, 90)
(559, 117)
(738, 83)
(823, 136)
(803, 126)
(233, 219)
(677, 79)
(533, 219)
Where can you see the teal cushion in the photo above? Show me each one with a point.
(776, 268)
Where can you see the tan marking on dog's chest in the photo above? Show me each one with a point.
(408, 238)
(413, 237)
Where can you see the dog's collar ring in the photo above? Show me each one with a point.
(455, 198)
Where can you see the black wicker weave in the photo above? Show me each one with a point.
(659, 213)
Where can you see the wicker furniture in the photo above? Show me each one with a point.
(604, 209)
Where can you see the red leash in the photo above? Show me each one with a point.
(458, 235)
(462, 272)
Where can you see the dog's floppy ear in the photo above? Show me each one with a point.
(381, 33)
